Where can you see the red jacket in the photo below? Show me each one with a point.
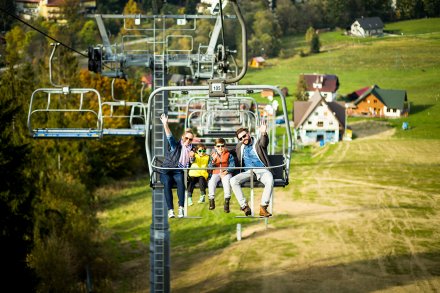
(224, 160)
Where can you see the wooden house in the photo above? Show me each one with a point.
(377, 102)
(367, 26)
(326, 84)
(317, 120)
(257, 62)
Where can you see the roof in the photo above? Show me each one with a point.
(370, 22)
(394, 99)
(328, 82)
(259, 59)
(302, 110)
(356, 94)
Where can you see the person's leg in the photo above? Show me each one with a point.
(227, 192)
(265, 177)
(202, 185)
(212, 185)
(167, 182)
(178, 177)
(236, 182)
(191, 184)
(227, 185)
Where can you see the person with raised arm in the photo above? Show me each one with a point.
(178, 157)
(252, 152)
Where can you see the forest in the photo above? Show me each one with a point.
(49, 228)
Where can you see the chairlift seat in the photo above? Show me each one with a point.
(66, 133)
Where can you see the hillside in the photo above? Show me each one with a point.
(357, 216)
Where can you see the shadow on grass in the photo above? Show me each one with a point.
(419, 108)
(369, 275)
(368, 128)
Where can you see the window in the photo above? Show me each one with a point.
(330, 123)
(375, 101)
(320, 124)
(309, 122)
(325, 113)
(316, 113)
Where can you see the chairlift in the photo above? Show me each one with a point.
(280, 162)
(64, 112)
(123, 117)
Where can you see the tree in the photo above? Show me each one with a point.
(87, 34)
(131, 7)
(309, 34)
(16, 196)
(301, 89)
(432, 7)
(315, 44)
(266, 33)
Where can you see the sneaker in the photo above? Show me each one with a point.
(181, 213)
(202, 198)
(190, 201)
(171, 214)
(247, 210)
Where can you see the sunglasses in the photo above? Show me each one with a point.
(188, 138)
(202, 151)
(242, 137)
(220, 145)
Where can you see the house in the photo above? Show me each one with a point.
(317, 120)
(326, 84)
(367, 26)
(50, 9)
(377, 102)
(257, 62)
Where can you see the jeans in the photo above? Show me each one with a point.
(167, 179)
(263, 175)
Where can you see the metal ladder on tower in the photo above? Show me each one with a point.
(159, 231)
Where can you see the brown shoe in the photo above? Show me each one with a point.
(226, 206)
(247, 210)
(264, 212)
(211, 204)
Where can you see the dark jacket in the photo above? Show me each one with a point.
(173, 155)
(260, 147)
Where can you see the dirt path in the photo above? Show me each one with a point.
(339, 234)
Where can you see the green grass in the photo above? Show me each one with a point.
(374, 203)
(405, 62)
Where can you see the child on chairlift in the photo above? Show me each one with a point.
(200, 160)
(222, 159)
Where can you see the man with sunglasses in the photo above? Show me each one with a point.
(253, 153)
(178, 156)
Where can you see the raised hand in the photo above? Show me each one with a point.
(164, 119)
(263, 126)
